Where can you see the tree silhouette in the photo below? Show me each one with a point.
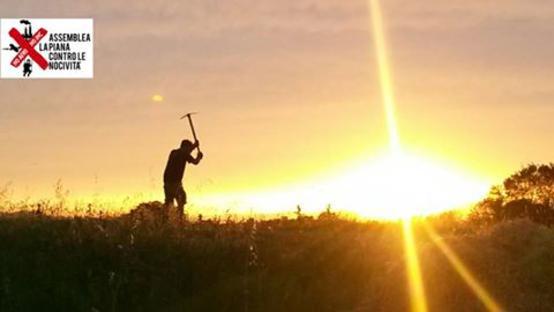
(529, 193)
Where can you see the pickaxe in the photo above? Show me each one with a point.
(12, 48)
(191, 127)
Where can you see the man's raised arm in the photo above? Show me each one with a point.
(199, 155)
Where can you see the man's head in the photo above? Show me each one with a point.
(187, 146)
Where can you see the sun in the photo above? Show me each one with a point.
(401, 185)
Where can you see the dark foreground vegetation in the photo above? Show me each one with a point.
(327, 263)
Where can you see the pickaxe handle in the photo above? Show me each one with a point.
(192, 129)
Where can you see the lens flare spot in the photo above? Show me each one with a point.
(157, 98)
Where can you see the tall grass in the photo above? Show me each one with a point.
(140, 263)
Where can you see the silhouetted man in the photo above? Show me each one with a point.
(174, 171)
(27, 68)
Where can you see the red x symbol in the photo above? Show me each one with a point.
(28, 48)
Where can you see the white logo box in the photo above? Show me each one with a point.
(67, 47)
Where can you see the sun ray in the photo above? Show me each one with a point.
(415, 283)
(385, 78)
(413, 271)
(464, 272)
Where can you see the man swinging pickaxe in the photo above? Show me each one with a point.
(175, 170)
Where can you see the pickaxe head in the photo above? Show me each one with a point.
(191, 126)
(188, 115)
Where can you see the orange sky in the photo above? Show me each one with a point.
(287, 91)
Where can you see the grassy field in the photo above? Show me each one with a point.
(327, 263)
